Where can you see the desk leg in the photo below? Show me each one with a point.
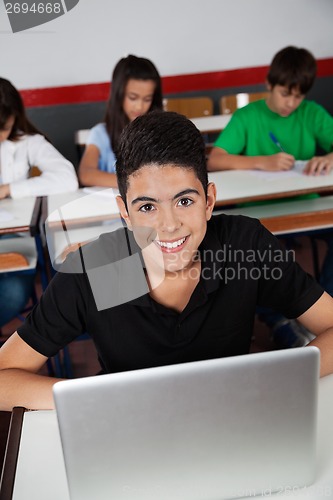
(41, 262)
(11, 454)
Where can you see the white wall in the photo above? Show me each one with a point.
(179, 36)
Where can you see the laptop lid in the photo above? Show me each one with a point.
(215, 429)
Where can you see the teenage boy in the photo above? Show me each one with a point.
(270, 135)
(298, 125)
(203, 275)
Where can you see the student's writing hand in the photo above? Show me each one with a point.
(4, 191)
(319, 165)
(279, 161)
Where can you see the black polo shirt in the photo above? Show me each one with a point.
(242, 266)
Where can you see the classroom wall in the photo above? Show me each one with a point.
(219, 46)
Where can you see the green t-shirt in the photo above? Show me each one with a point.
(299, 134)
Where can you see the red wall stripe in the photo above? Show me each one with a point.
(96, 92)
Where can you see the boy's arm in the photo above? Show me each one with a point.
(319, 165)
(20, 384)
(4, 191)
(219, 159)
(319, 320)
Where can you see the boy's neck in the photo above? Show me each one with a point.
(175, 289)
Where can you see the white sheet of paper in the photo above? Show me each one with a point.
(108, 192)
(5, 216)
(272, 176)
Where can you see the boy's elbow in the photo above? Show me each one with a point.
(82, 176)
(211, 165)
(215, 159)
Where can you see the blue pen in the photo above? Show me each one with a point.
(276, 142)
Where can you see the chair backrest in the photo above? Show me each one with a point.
(18, 254)
(191, 107)
(80, 139)
(229, 103)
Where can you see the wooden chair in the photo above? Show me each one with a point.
(229, 103)
(191, 107)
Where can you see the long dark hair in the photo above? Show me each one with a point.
(11, 104)
(130, 67)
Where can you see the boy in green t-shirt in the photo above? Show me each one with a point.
(270, 135)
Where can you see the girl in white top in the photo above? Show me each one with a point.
(22, 147)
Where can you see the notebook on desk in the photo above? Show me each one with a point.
(215, 429)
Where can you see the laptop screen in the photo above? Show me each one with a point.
(216, 429)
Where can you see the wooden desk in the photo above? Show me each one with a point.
(85, 216)
(237, 186)
(23, 215)
(290, 216)
(84, 206)
(40, 473)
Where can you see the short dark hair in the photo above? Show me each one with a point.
(160, 138)
(130, 67)
(293, 67)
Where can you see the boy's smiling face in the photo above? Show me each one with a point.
(168, 210)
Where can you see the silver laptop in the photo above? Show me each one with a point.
(216, 429)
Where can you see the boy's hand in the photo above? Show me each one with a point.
(279, 161)
(319, 165)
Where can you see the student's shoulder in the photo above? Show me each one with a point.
(98, 134)
(312, 108)
(234, 225)
(239, 231)
(250, 112)
(37, 145)
(252, 108)
(225, 219)
(99, 127)
(31, 139)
